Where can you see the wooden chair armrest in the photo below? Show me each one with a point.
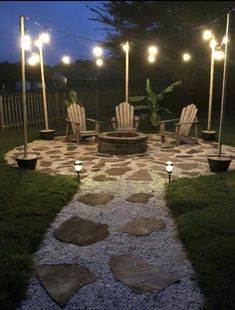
(69, 121)
(92, 120)
(187, 123)
(169, 120)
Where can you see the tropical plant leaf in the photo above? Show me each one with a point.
(136, 98)
(152, 97)
(165, 110)
(170, 88)
(154, 119)
(141, 107)
(143, 116)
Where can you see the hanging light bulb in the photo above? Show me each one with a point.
(126, 47)
(33, 60)
(66, 60)
(207, 35)
(186, 57)
(213, 43)
(99, 62)
(26, 42)
(218, 55)
(151, 58)
(98, 51)
(153, 50)
(44, 37)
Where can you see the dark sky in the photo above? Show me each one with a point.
(67, 16)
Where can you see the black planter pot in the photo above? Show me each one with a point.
(27, 163)
(47, 134)
(218, 164)
(208, 135)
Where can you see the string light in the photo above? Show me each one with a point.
(98, 51)
(186, 57)
(66, 60)
(151, 58)
(153, 50)
(99, 62)
(26, 42)
(34, 59)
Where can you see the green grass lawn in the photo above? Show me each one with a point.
(204, 209)
(29, 202)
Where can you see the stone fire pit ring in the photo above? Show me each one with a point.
(122, 143)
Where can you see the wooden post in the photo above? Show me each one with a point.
(224, 86)
(23, 84)
(43, 87)
(211, 86)
(127, 69)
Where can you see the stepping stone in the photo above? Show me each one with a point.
(63, 281)
(95, 199)
(42, 148)
(187, 166)
(140, 276)
(117, 171)
(99, 165)
(140, 197)
(81, 232)
(45, 163)
(142, 226)
(103, 178)
(140, 175)
(121, 164)
(193, 151)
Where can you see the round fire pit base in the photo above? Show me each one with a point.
(122, 143)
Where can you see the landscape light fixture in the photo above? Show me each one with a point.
(169, 168)
(186, 57)
(78, 168)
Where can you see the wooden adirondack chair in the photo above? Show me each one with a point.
(125, 119)
(77, 119)
(182, 127)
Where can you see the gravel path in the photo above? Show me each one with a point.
(161, 248)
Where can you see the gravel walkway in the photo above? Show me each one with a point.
(160, 248)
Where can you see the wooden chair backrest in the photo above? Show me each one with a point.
(125, 115)
(188, 115)
(76, 113)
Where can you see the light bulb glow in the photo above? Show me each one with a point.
(33, 60)
(225, 40)
(153, 50)
(151, 58)
(26, 42)
(213, 43)
(126, 47)
(207, 35)
(169, 166)
(99, 62)
(97, 51)
(66, 60)
(186, 57)
(77, 165)
(218, 55)
(44, 37)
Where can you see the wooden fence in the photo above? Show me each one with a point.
(99, 103)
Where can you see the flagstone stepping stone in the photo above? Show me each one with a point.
(71, 154)
(81, 231)
(95, 199)
(140, 197)
(140, 175)
(99, 165)
(86, 158)
(141, 165)
(140, 276)
(103, 178)
(193, 151)
(55, 156)
(71, 148)
(52, 152)
(184, 155)
(42, 148)
(187, 166)
(120, 164)
(63, 281)
(45, 163)
(142, 226)
(117, 171)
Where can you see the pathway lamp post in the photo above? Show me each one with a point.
(169, 168)
(78, 168)
(126, 48)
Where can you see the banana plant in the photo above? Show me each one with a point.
(151, 102)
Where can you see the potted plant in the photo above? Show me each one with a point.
(219, 163)
(151, 103)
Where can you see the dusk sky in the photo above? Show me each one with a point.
(67, 16)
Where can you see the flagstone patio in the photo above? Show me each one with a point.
(115, 245)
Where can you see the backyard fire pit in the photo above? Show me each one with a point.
(122, 143)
